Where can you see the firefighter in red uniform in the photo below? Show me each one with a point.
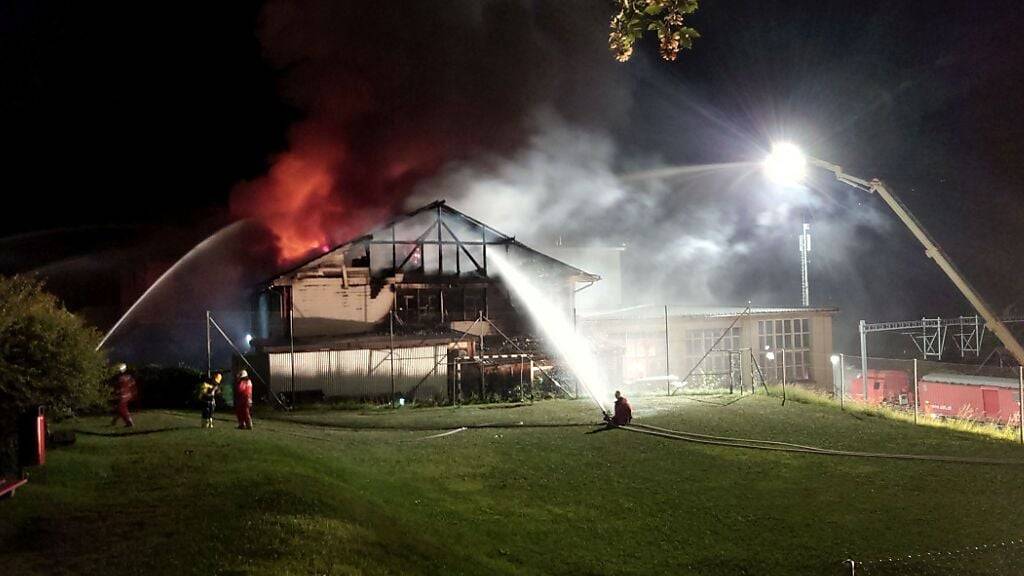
(623, 412)
(124, 393)
(243, 401)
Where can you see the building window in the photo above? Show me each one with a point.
(643, 355)
(793, 336)
(696, 342)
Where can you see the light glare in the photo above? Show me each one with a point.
(786, 164)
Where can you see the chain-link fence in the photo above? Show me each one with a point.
(964, 395)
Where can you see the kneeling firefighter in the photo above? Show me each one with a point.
(623, 414)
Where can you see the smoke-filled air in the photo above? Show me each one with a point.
(518, 117)
(385, 101)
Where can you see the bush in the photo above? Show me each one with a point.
(47, 355)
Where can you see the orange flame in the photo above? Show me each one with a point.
(293, 200)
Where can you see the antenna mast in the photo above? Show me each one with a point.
(805, 248)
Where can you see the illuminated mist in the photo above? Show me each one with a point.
(557, 330)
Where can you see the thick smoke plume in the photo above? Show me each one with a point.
(709, 234)
(391, 92)
(513, 111)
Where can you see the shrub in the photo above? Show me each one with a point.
(47, 355)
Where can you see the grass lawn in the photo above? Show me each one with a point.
(363, 492)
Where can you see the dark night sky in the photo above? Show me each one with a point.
(145, 118)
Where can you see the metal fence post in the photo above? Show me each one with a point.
(668, 370)
(522, 367)
(391, 352)
(783, 376)
(576, 332)
(862, 328)
(732, 371)
(916, 403)
(531, 378)
(842, 381)
(209, 348)
(291, 342)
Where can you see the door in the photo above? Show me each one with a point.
(990, 401)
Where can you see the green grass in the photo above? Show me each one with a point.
(362, 492)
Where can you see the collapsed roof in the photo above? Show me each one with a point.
(433, 240)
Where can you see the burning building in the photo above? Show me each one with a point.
(409, 310)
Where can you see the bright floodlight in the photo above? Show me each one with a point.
(248, 338)
(786, 164)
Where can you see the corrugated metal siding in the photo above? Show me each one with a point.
(420, 373)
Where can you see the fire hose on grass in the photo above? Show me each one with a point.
(774, 446)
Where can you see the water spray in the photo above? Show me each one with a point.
(557, 328)
(525, 353)
(685, 170)
(168, 272)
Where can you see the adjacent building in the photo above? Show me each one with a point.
(713, 347)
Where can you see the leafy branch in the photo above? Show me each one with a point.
(665, 17)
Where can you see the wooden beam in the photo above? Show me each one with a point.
(462, 246)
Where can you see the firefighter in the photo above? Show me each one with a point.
(125, 392)
(243, 401)
(208, 397)
(623, 412)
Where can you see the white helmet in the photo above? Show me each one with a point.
(243, 374)
(122, 367)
